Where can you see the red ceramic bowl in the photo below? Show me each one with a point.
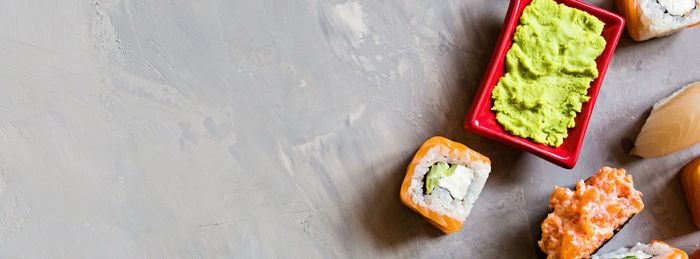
(481, 120)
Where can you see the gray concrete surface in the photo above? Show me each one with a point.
(282, 129)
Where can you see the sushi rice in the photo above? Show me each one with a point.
(440, 199)
(641, 251)
(662, 17)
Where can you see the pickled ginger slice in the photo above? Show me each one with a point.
(674, 124)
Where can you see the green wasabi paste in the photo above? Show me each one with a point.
(548, 71)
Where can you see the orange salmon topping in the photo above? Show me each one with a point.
(676, 254)
(583, 219)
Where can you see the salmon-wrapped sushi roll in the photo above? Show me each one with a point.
(648, 19)
(690, 180)
(443, 181)
(653, 250)
(583, 219)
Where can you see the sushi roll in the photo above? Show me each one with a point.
(582, 220)
(653, 250)
(443, 181)
(690, 181)
(648, 19)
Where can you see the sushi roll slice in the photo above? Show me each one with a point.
(653, 250)
(690, 180)
(443, 181)
(582, 220)
(648, 19)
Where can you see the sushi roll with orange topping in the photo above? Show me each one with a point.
(443, 181)
(583, 219)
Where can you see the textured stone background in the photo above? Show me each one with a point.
(266, 128)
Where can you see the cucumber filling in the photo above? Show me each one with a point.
(452, 177)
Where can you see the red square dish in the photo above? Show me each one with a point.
(481, 120)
